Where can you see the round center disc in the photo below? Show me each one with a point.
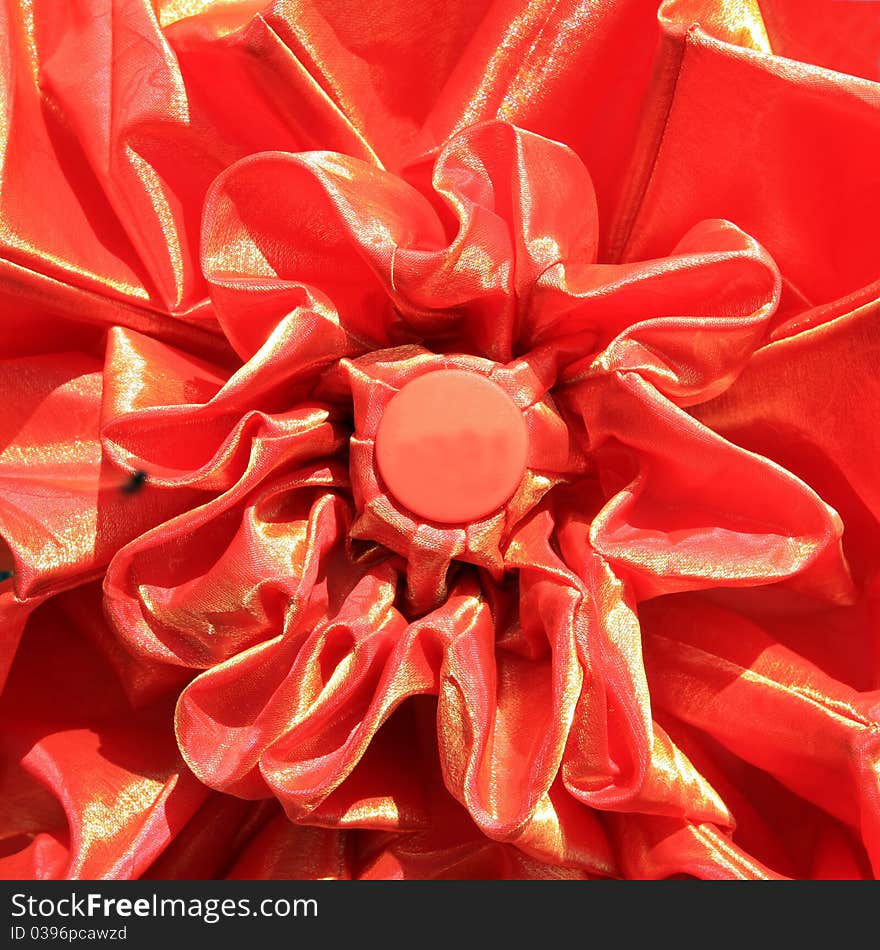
(451, 446)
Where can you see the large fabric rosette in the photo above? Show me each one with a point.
(233, 234)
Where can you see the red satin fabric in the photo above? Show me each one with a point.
(230, 231)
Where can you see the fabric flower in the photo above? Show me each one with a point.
(659, 641)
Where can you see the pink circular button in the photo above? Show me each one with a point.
(451, 446)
